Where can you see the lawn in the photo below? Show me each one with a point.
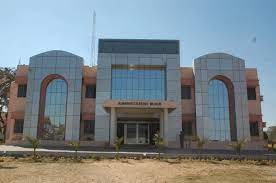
(129, 170)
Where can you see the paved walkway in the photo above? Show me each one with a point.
(11, 148)
(131, 151)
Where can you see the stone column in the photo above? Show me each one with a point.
(113, 126)
(166, 127)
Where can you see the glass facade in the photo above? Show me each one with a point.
(55, 110)
(138, 83)
(219, 121)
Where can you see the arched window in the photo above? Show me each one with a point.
(219, 119)
(53, 127)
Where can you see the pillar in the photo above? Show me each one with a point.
(113, 126)
(166, 127)
(161, 122)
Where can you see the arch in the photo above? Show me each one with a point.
(56, 53)
(231, 103)
(48, 81)
(217, 55)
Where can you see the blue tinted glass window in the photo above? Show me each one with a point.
(138, 83)
(55, 109)
(219, 122)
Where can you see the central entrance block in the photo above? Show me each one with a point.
(138, 121)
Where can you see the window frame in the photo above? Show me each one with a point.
(251, 95)
(22, 91)
(187, 131)
(91, 128)
(254, 130)
(92, 93)
(186, 92)
(18, 129)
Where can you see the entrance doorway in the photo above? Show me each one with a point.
(137, 132)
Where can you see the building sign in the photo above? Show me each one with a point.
(140, 103)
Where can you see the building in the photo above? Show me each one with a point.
(137, 89)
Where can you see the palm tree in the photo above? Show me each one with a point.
(158, 142)
(76, 146)
(117, 144)
(7, 76)
(35, 144)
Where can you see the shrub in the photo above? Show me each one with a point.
(158, 142)
(35, 144)
(117, 144)
(238, 146)
(200, 143)
(76, 146)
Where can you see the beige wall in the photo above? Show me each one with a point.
(254, 106)
(17, 105)
(88, 104)
(187, 78)
(16, 110)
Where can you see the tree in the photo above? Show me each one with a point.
(158, 142)
(117, 144)
(7, 76)
(76, 146)
(35, 144)
(271, 134)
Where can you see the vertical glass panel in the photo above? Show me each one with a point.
(143, 133)
(55, 107)
(218, 111)
(131, 133)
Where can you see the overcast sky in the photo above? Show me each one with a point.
(243, 28)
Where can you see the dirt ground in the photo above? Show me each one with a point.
(128, 170)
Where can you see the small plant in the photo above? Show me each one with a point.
(96, 158)
(118, 143)
(158, 142)
(35, 144)
(200, 143)
(76, 147)
(238, 146)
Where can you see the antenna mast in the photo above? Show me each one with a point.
(93, 50)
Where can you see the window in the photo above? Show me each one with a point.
(89, 127)
(22, 90)
(55, 110)
(18, 126)
(90, 91)
(187, 128)
(186, 92)
(251, 93)
(219, 120)
(138, 82)
(254, 129)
